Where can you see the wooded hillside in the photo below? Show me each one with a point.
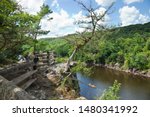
(127, 46)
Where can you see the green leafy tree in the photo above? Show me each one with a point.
(14, 27)
(36, 28)
(18, 28)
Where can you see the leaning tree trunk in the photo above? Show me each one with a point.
(95, 18)
(70, 59)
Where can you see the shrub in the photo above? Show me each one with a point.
(112, 92)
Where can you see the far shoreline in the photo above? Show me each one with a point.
(135, 73)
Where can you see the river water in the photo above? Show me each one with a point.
(132, 87)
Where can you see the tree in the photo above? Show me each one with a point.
(91, 24)
(18, 28)
(14, 27)
(9, 11)
(36, 28)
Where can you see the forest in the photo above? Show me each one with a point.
(128, 46)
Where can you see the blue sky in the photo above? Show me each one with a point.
(66, 12)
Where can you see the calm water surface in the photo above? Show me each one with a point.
(132, 87)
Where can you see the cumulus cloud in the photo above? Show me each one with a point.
(55, 4)
(61, 24)
(106, 18)
(105, 2)
(132, 1)
(31, 6)
(131, 15)
(77, 18)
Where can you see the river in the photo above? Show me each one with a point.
(132, 87)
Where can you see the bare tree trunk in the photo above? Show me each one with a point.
(70, 59)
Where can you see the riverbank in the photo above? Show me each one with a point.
(67, 89)
(135, 72)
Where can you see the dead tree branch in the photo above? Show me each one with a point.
(90, 24)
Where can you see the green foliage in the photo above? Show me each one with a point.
(112, 92)
(26, 49)
(61, 59)
(128, 52)
(18, 29)
(139, 61)
(14, 24)
(81, 67)
(36, 28)
(60, 46)
(125, 46)
(44, 11)
(42, 46)
(70, 86)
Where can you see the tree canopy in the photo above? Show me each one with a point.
(18, 27)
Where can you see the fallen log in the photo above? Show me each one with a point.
(9, 91)
(28, 83)
(23, 77)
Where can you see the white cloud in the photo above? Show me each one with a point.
(61, 24)
(31, 6)
(132, 1)
(105, 2)
(131, 15)
(106, 18)
(55, 4)
(80, 17)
